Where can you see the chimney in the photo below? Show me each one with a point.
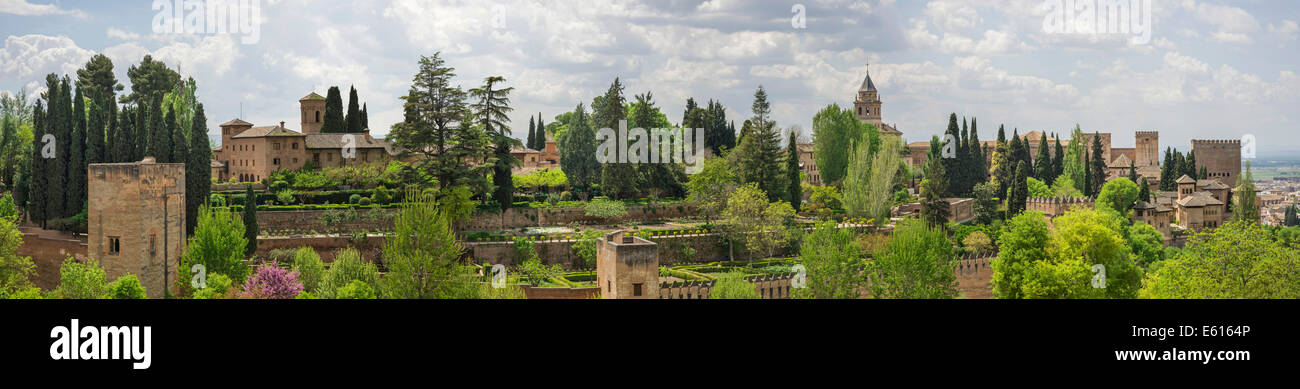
(281, 124)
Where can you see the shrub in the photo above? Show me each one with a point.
(81, 280)
(365, 202)
(270, 281)
(733, 286)
(382, 195)
(354, 199)
(126, 287)
(310, 268)
(347, 267)
(977, 242)
(605, 209)
(356, 290)
(537, 272)
(218, 287)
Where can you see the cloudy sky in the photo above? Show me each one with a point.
(1211, 69)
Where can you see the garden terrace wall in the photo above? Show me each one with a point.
(539, 217)
(708, 247)
(307, 221)
(772, 286)
(328, 247)
(539, 293)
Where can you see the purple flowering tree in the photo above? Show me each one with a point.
(271, 282)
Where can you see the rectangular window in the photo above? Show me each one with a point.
(295, 145)
(153, 245)
(636, 290)
(315, 157)
(114, 245)
(275, 146)
(275, 161)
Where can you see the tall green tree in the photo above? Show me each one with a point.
(578, 152)
(434, 110)
(60, 126)
(718, 136)
(1001, 167)
(1245, 207)
(422, 256)
(219, 243)
(541, 134)
(836, 132)
(1098, 168)
(1019, 193)
(77, 167)
(794, 185)
(36, 198)
(491, 109)
(334, 121)
(1043, 168)
(250, 222)
(1238, 260)
(934, 189)
(758, 156)
(618, 180)
(532, 133)
(662, 178)
(353, 118)
(1058, 161)
(198, 171)
(1074, 166)
(149, 80)
(979, 167)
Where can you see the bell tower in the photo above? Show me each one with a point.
(867, 104)
(313, 113)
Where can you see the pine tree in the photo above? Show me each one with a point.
(617, 179)
(198, 172)
(353, 118)
(758, 156)
(250, 221)
(334, 121)
(795, 191)
(578, 152)
(491, 112)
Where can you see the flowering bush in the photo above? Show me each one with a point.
(272, 282)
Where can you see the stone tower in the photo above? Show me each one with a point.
(313, 113)
(1221, 159)
(627, 267)
(136, 221)
(1148, 148)
(867, 105)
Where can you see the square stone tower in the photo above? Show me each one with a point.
(627, 267)
(313, 113)
(136, 221)
(1221, 159)
(1148, 148)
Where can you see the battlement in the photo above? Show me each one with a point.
(1059, 200)
(1233, 142)
(1147, 133)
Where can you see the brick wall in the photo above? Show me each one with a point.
(48, 248)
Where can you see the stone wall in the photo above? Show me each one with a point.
(371, 248)
(48, 248)
(560, 293)
(772, 286)
(307, 221)
(1057, 206)
(538, 217)
(975, 276)
(1220, 158)
(708, 247)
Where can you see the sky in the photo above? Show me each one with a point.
(1208, 70)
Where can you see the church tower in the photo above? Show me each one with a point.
(867, 106)
(312, 107)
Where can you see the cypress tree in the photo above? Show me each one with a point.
(1144, 192)
(365, 118)
(1058, 161)
(1087, 176)
(532, 133)
(1189, 167)
(1016, 199)
(198, 172)
(1098, 166)
(77, 179)
(541, 133)
(250, 221)
(1166, 173)
(334, 121)
(951, 166)
(980, 171)
(1043, 168)
(56, 168)
(1132, 172)
(795, 190)
(353, 117)
(36, 194)
(96, 123)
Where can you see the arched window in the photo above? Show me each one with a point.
(318, 116)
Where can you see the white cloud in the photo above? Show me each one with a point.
(1232, 24)
(23, 8)
(34, 56)
(1287, 31)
